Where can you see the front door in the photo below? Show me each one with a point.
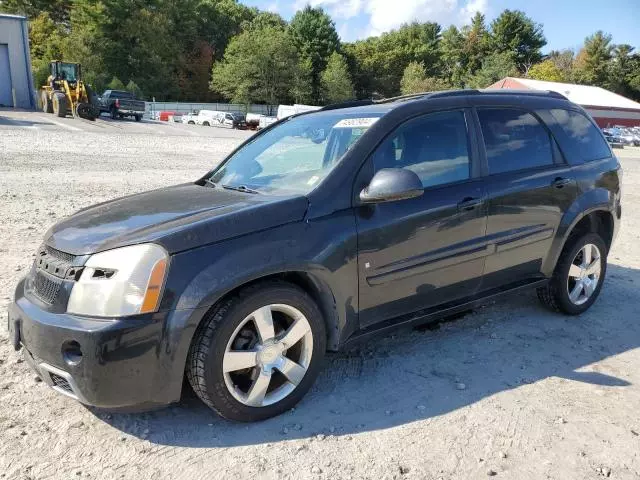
(529, 188)
(418, 253)
(6, 97)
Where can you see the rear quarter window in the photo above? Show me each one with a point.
(583, 142)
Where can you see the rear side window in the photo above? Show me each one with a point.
(585, 140)
(514, 140)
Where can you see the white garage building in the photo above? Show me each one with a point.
(16, 82)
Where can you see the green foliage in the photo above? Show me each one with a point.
(547, 71)
(302, 88)
(259, 65)
(415, 80)
(168, 49)
(593, 61)
(336, 81)
(382, 60)
(315, 36)
(57, 10)
(495, 67)
(515, 33)
(46, 38)
(133, 88)
(115, 84)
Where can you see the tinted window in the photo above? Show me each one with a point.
(433, 146)
(514, 140)
(585, 139)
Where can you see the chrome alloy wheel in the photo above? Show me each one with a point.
(584, 274)
(268, 355)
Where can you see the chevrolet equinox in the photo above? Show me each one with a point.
(319, 231)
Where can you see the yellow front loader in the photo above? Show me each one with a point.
(65, 92)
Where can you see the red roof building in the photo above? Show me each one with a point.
(606, 108)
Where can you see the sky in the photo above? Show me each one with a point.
(566, 23)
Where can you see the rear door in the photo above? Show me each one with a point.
(529, 187)
(418, 253)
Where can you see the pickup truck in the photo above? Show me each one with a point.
(121, 104)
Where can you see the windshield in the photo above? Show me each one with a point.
(68, 71)
(296, 155)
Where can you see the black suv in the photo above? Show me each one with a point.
(321, 230)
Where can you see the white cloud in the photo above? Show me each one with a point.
(385, 15)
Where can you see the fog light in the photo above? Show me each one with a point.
(71, 353)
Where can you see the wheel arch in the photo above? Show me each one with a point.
(592, 212)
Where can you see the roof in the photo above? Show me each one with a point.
(15, 17)
(585, 95)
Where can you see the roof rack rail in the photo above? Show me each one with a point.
(445, 94)
(348, 104)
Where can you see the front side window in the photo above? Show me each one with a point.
(514, 140)
(585, 141)
(296, 155)
(434, 146)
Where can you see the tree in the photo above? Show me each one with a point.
(57, 10)
(564, 61)
(381, 60)
(495, 67)
(515, 33)
(593, 59)
(475, 44)
(46, 39)
(259, 65)
(315, 36)
(302, 88)
(133, 88)
(547, 71)
(415, 80)
(451, 48)
(336, 81)
(115, 84)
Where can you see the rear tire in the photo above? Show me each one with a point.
(273, 345)
(59, 104)
(206, 124)
(578, 277)
(138, 118)
(46, 104)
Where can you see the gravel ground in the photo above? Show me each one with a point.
(509, 390)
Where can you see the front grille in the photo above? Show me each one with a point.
(60, 382)
(63, 256)
(46, 288)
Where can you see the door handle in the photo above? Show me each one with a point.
(560, 182)
(469, 203)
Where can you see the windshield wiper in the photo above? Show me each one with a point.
(209, 182)
(240, 188)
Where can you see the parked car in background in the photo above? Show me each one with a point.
(207, 118)
(253, 120)
(288, 110)
(232, 120)
(317, 233)
(190, 118)
(266, 121)
(613, 138)
(120, 104)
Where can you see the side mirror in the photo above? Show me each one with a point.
(391, 184)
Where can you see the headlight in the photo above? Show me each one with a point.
(120, 282)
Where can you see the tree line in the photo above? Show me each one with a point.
(214, 50)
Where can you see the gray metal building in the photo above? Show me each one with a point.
(16, 82)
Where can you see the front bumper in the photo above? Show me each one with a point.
(107, 363)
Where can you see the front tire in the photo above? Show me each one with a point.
(258, 352)
(578, 277)
(46, 104)
(59, 102)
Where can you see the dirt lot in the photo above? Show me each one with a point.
(510, 390)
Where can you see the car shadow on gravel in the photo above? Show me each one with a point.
(418, 374)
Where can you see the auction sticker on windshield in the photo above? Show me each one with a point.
(355, 122)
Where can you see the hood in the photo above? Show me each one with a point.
(178, 218)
